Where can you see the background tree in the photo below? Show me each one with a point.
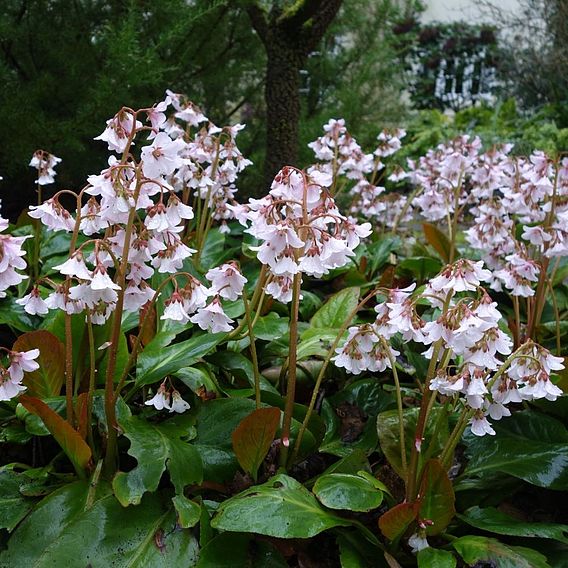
(289, 32)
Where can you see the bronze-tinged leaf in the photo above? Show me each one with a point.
(148, 316)
(48, 379)
(82, 413)
(438, 240)
(437, 498)
(253, 436)
(395, 521)
(69, 439)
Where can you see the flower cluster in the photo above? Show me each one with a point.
(168, 399)
(301, 230)
(142, 207)
(463, 331)
(11, 377)
(44, 163)
(342, 161)
(11, 259)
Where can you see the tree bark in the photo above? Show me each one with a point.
(288, 38)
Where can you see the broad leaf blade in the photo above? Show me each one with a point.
(282, 508)
(474, 549)
(438, 240)
(395, 521)
(334, 313)
(46, 381)
(493, 520)
(69, 439)
(156, 362)
(253, 436)
(437, 498)
(155, 447)
(350, 492)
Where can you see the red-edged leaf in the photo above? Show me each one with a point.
(48, 379)
(437, 498)
(69, 439)
(253, 436)
(394, 522)
(438, 240)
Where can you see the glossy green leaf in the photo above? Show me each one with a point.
(234, 550)
(155, 447)
(13, 315)
(380, 251)
(48, 379)
(188, 511)
(395, 521)
(528, 445)
(69, 439)
(436, 498)
(253, 436)
(72, 524)
(389, 439)
(239, 366)
(433, 557)
(13, 505)
(438, 240)
(475, 549)
(270, 326)
(334, 313)
(421, 267)
(281, 507)
(345, 491)
(155, 363)
(492, 520)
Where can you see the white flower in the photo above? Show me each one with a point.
(162, 156)
(212, 318)
(480, 425)
(417, 542)
(178, 404)
(226, 281)
(75, 266)
(161, 399)
(33, 303)
(22, 362)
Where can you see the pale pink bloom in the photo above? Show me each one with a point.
(417, 542)
(52, 215)
(162, 156)
(226, 281)
(33, 303)
(212, 318)
(461, 276)
(480, 426)
(178, 404)
(101, 280)
(22, 362)
(119, 130)
(137, 295)
(161, 399)
(44, 162)
(175, 309)
(75, 266)
(9, 388)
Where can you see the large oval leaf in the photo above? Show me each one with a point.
(253, 436)
(48, 379)
(493, 520)
(156, 362)
(334, 313)
(281, 507)
(344, 491)
(528, 445)
(474, 549)
(66, 529)
(155, 447)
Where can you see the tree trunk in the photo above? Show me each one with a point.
(282, 96)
